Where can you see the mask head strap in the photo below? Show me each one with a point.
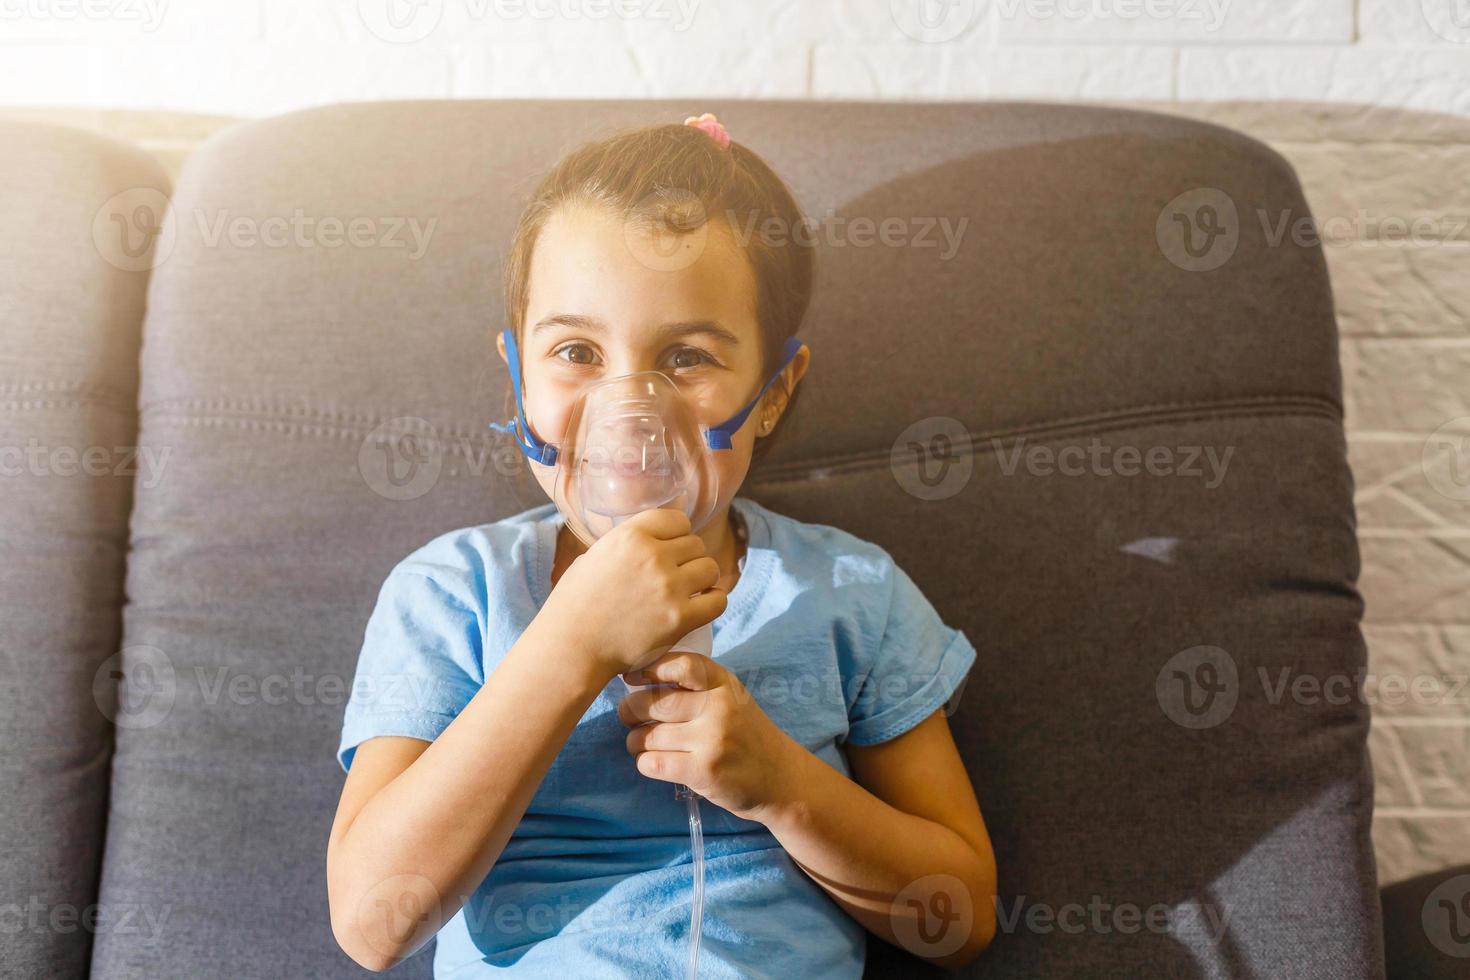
(534, 449)
(716, 437)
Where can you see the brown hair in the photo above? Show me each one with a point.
(677, 176)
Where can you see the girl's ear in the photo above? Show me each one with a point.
(779, 394)
(500, 346)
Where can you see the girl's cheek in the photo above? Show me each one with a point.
(550, 409)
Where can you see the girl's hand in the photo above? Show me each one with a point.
(710, 735)
(635, 592)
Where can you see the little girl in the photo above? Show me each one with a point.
(509, 793)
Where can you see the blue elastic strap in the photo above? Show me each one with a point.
(717, 437)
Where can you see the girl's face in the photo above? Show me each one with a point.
(609, 297)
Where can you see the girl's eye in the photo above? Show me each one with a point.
(683, 358)
(572, 347)
(689, 357)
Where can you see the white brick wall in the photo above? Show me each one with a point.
(1346, 89)
(259, 57)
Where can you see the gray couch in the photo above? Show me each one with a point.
(1025, 424)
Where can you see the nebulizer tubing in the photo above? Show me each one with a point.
(700, 640)
(696, 845)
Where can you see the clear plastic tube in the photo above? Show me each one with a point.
(700, 640)
(696, 843)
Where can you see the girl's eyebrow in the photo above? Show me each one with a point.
(591, 324)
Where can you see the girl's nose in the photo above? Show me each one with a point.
(630, 362)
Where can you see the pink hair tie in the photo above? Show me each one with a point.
(712, 126)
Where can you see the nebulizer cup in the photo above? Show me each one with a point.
(632, 444)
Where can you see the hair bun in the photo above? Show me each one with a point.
(712, 126)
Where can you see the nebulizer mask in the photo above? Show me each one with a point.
(633, 443)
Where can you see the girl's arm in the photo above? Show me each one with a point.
(901, 846)
(874, 841)
(420, 824)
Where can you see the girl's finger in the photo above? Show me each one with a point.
(691, 671)
(672, 767)
(660, 704)
(663, 737)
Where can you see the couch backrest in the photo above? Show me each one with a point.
(80, 215)
(1075, 388)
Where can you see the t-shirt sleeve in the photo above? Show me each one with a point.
(919, 662)
(421, 657)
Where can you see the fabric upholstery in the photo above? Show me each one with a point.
(286, 376)
(71, 311)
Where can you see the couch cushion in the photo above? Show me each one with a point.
(74, 263)
(1129, 811)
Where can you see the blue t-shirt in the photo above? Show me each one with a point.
(830, 637)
